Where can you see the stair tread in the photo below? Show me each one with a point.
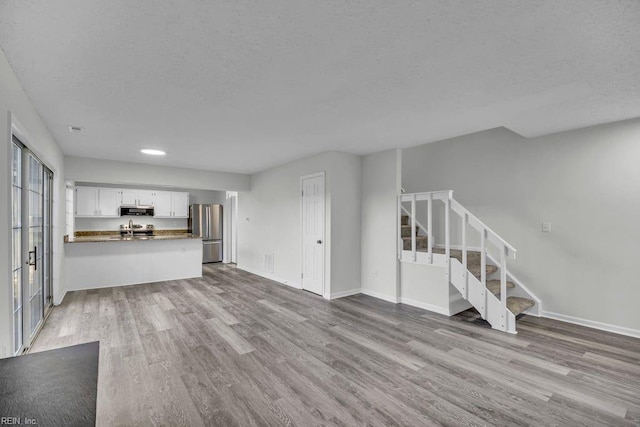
(475, 269)
(417, 238)
(494, 286)
(518, 305)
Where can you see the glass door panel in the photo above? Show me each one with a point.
(16, 202)
(46, 244)
(36, 232)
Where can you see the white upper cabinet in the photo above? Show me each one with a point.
(96, 202)
(86, 201)
(128, 197)
(180, 203)
(163, 208)
(137, 197)
(172, 204)
(106, 202)
(146, 197)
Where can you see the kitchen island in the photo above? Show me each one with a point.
(111, 260)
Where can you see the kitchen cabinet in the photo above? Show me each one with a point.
(105, 202)
(171, 204)
(129, 197)
(180, 203)
(97, 202)
(162, 206)
(86, 201)
(137, 197)
(146, 197)
(108, 202)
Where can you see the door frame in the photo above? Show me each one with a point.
(324, 230)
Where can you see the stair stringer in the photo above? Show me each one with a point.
(522, 291)
(480, 297)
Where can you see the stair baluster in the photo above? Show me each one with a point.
(483, 270)
(465, 264)
(429, 229)
(447, 237)
(413, 229)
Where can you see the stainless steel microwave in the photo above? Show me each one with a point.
(136, 211)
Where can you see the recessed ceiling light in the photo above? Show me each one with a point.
(153, 152)
(76, 129)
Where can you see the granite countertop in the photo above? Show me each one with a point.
(117, 238)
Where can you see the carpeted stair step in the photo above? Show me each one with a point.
(518, 305)
(421, 243)
(406, 230)
(494, 286)
(404, 220)
(476, 270)
(473, 261)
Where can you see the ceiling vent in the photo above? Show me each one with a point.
(76, 129)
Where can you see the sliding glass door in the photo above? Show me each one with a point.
(16, 247)
(31, 201)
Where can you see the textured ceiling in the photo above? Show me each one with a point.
(245, 85)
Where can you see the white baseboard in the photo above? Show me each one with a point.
(425, 306)
(622, 330)
(343, 294)
(118, 285)
(59, 300)
(407, 301)
(271, 277)
(379, 295)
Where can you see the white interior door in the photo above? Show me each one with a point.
(313, 233)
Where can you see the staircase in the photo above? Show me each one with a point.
(480, 274)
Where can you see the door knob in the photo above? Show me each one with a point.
(319, 242)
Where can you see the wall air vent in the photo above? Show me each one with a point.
(76, 129)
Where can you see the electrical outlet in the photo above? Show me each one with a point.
(546, 226)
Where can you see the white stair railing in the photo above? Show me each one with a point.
(474, 290)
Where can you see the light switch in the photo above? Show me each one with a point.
(546, 226)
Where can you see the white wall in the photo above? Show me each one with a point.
(15, 105)
(380, 187)
(425, 286)
(586, 182)
(344, 177)
(269, 221)
(82, 169)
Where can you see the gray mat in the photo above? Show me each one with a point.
(51, 388)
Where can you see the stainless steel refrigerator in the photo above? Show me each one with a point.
(206, 221)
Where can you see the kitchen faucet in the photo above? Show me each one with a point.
(131, 227)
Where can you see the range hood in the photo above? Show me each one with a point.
(131, 210)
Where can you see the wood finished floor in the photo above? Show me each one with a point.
(236, 349)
